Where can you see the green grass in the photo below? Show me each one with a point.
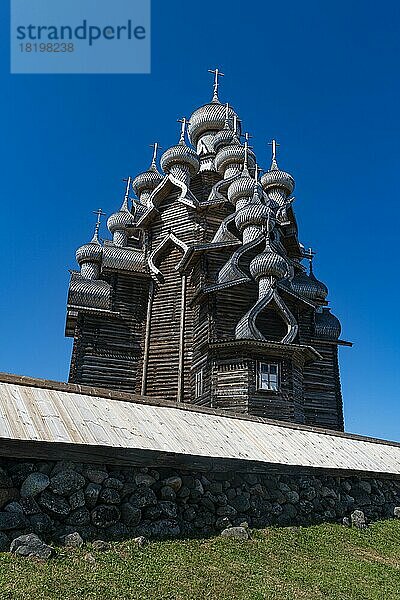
(326, 561)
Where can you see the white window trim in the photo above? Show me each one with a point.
(270, 388)
(199, 382)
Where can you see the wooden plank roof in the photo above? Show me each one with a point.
(41, 413)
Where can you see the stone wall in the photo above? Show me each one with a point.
(53, 499)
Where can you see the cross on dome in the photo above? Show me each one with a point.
(128, 182)
(156, 146)
(185, 123)
(217, 73)
(274, 145)
(99, 214)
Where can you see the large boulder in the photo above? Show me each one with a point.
(34, 484)
(130, 515)
(41, 524)
(31, 545)
(11, 520)
(66, 483)
(92, 493)
(144, 497)
(56, 505)
(96, 475)
(77, 500)
(105, 515)
(109, 496)
(79, 517)
(144, 479)
(173, 482)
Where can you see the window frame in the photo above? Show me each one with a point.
(199, 383)
(270, 377)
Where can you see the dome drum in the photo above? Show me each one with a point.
(268, 264)
(120, 221)
(252, 214)
(241, 188)
(209, 118)
(90, 270)
(120, 239)
(233, 156)
(181, 156)
(278, 179)
(223, 138)
(147, 181)
(89, 253)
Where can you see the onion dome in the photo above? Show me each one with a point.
(147, 181)
(327, 325)
(268, 264)
(242, 187)
(233, 155)
(225, 137)
(275, 178)
(91, 252)
(309, 286)
(209, 118)
(254, 214)
(121, 220)
(182, 156)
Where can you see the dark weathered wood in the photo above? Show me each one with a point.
(150, 458)
(156, 342)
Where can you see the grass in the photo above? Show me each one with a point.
(325, 561)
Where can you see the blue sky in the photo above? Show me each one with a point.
(320, 77)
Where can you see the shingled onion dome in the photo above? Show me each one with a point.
(309, 286)
(89, 258)
(275, 178)
(182, 157)
(254, 216)
(208, 120)
(119, 223)
(268, 267)
(327, 325)
(242, 188)
(181, 161)
(145, 183)
(230, 159)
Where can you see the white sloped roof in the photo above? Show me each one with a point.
(46, 414)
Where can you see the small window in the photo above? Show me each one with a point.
(199, 383)
(268, 376)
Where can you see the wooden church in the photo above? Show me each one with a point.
(201, 296)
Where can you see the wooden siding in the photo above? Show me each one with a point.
(108, 348)
(33, 414)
